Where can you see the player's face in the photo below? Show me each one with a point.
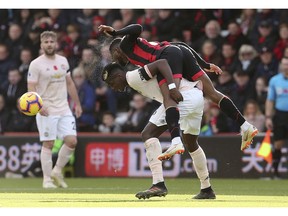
(119, 57)
(48, 46)
(117, 82)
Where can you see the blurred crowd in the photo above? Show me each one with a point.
(246, 43)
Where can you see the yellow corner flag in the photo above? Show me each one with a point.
(265, 150)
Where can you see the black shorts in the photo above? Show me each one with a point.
(191, 69)
(174, 57)
(280, 125)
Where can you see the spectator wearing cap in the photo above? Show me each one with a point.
(266, 36)
(268, 65)
(25, 60)
(282, 41)
(241, 90)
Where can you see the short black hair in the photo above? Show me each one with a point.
(109, 69)
(114, 43)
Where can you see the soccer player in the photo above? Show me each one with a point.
(49, 76)
(140, 52)
(191, 111)
(276, 112)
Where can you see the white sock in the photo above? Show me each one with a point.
(63, 158)
(153, 150)
(176, 140)
(46, 163)
(245, 126)
(200, 165)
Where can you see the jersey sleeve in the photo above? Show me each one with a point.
(33, 73)
(271, 91)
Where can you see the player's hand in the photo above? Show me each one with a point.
(78, 111)
(214, 68)
(44, 111)
(176, 95)
(107, 30)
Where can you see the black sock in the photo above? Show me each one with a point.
(172, 119)
(228, 107)
(276, 155)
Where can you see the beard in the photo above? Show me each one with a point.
(50, 52)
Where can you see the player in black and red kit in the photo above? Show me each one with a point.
(140, 52)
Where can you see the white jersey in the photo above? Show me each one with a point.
(190, 109)
(50, 74)
(150, 88)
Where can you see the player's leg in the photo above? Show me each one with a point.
(280, 134)
(227, 106)
(67, 130)
(47, 133)
(153, 149)
(175, 60)
(200, 165)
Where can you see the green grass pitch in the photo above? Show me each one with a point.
(120, 192)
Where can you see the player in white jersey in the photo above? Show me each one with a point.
(190, 109)
(49, 76)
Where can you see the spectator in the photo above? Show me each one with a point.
(108, 124)
(128, 16)
(25, 59)
(282, 41)
(212, 32)
(167, 27)
(247, 22)
(14, 88)
(217, 119)
(259, 92)
(241, 90)
(14, 41)
(225, 82)
(254, 115)
(209, 54)
(268, 65)
(33, 41)
(72, 45)
(87, 99)
(138, 115)
(25, 19)
(235, 36)
(229, 57)
(4, 114)
(266, 35)
(84, 19)
(18, 122)
(247, 60)
(5, 63)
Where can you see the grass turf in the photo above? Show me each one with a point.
(120, 192)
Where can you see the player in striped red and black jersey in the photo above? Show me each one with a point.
(140, 52)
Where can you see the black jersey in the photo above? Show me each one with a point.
(141, 52)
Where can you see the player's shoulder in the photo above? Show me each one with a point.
(276, 78)
(61, 57)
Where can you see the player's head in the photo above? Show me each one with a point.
(48, 42)
(115, 76)
(116, 53)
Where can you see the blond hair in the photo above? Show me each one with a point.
(47, 34)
